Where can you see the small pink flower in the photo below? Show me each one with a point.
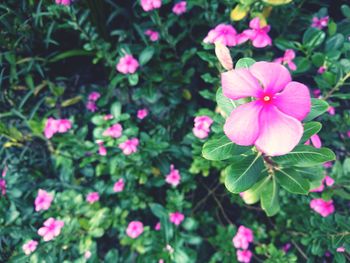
(63, 2)
(56, 126)
(3, 186)
(149, 5)
(257, 34)
(318, 189)
(157, 226)
(324, 208)
(329, 181)
(127, 65)
(180, 8)
(43, 200)
(224, 34)
(142, 113)
(176, 218)
(321, 70)
(153, 35)
(341, 249)
(29, 247)
(135, 228)
(243, 237)
(320, 22)
(244, 255)
(92, 197)
(348, 133)
(331, 110)
(108, 117)
(315, 140)
(286, 247)
(317, 93)
(91, 106)
(271, 122)
(129, 146)
(119, 186)
(201, 127)
(51, 229)
(101, 148)
(115, 131)
(173, 177)
(327, 164)
(87, 254)
(287, 59)
(94, 96)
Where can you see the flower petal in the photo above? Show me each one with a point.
(273, 76)
(279, 133)
(240, 83)
(294, 100)
(242, 127)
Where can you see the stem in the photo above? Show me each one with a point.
(339, 84)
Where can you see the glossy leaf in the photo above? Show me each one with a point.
(269, 198)
(292, 181)
(318, 107)
(310, 128)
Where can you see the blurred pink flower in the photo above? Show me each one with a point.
(92, 197)
(119, 186)
(149, 5)
(43, 200)
(153, 35)
(243, 237)
(129, 146)
(327, 180)
(127, 65)
(341, 249)
(29, 247)
(287, 59)
(157, 226)
(91, 106)
(244, 256)
(135, 228)
(108, 117)
(324, 208)
(321, 70)
(51, 229)
(331, 110)
(257, 34)
(271, 122)
(315, 140)
(115, 131)
(317, 93)
(286, 247)
(56, 126)
(63, 2)
(94, 96)
(173, 177)
(180, 8)
(101, 148)
(87, 254)
(320, 22)
(3, 186)
(142, 113)
(176, 218)
(222, 33)
(201, 127)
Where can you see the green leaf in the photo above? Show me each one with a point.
(252, 195)
(292, 181)
(313, 38)
(225, 104)
(70, 53)
(345, 9)
(243, 174)
(302, 64)
(306, 156)
(314, 175)
(269, 198)
(335, 42)
(244, 63)
(133, 79)
(146, 55)
(284, 44)
(310, 128)
(116, 109)
(318, 107)
(221, 149)
(318, 59)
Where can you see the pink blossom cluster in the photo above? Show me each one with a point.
(228, 36)
(129, 146)
(134, 229)
(201, 127)
(327, 180)
(287, 59)
(322, 207)
(92, 197)
(91, 104)
(149, 5)
(320, 23)
(127, 64)
(43, 200)
(153, 35)
(174, 177)
(115, 131)
(180, 8)
(176, 218)
(241, 240)
(53, 126)
(51, 229)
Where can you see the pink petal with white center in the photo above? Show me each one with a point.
(279, 133)
(273, 76)
(294, 100)
(242, 127)
(240, 83)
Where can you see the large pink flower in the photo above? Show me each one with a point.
(257, 34)
(51, 229)
(272, 121)
(127, 65)
(224, 34)
(135, 228)
(149, 5)
(43, 200)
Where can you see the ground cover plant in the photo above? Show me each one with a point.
(175, 131)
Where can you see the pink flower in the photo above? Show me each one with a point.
(202, 126)
(341, 249)
(348, 133)
(320, 22)
(324, 208)
(108, 117)
(321, 70)
(224, 34)
(315, 140)
(127, 64)
(129, 146)
(3, 186)
(327, 165)
(142, 113)
(286, 247)
(173, 177)
(51, 229)
(94, 96)
(317, 93)
(91, 106)
(157, 226)
(257, 34)
(244, 255)
(43, 200)
(329, 181)
(29, 247)
(135, 228)
(119, 186)
(101, 148)
(56, 126)
(287, 59)
(149, 5)
(180, 8)
(63, 2)
(318, 189)
(153, 35)
(92, 197)
(87, 254)
(272, 122)
(224, 56)
(115, 131)
(176, 218)
(243, 237)
(331, 110)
